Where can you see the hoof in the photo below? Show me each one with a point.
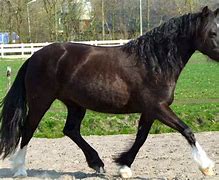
(125, 172)
(99, 170)
(208, 171)
(20, 173)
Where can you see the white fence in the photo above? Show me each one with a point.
(26, 50)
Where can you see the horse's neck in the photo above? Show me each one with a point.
(180, 56)
(185, 50)
(183, 59)
(166, 49)
(183, 40)
(186, 37)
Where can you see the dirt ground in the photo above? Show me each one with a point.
(163, 157)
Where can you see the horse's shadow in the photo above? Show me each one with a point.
(51, 174)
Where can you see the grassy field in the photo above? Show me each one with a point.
(196, 102)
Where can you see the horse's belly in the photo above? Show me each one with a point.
(104, 98)
(100, 95)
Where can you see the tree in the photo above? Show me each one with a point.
(61, 20)
(71, 11)
(50, 8)
(19, 12)
(10, 17)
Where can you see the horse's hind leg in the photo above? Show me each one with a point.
(72, 130)
(168, 117)
(127, 158)
(37, 109)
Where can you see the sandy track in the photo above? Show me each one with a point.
(165, 156)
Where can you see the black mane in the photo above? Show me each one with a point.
(159, 48)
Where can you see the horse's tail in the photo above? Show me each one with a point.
(13, 114)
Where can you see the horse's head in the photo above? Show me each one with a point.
(208, 33)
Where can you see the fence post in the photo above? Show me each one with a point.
(8, 74)
(32, 49)
(22, 50)
(96, 43)
(2, 53)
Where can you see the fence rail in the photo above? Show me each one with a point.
(26, 50)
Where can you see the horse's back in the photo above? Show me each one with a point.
(96, 78)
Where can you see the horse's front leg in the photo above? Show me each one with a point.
(168, 117)
(72, 130)
(126, 159)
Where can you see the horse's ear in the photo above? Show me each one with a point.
(216, 12)
(205, 11)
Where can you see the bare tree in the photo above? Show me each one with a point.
(70, 18)
(61, 20)
(50, 8)
(19, 11)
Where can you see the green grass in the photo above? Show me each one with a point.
(199, 80)
(196, 103)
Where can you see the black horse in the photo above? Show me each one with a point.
(138, 77)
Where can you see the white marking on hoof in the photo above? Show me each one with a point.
(208, 171)
(206, 165)
(18, 163)
(20, 172)
(125, 172)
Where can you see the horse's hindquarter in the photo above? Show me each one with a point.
(103, 80)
